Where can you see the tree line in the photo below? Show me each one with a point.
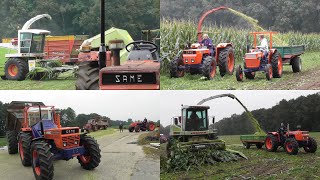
(283, 16)
(79, 17)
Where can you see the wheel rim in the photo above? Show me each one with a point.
(13, 70)
(21, 150)
(268, 143)
(270, 72)
(213, 70)
(85, 158)
(280, 65)
(289, 147)
(36, 164)
(230, 62)
(151, 127)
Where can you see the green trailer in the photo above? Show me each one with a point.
(291, 56)
(252, 139)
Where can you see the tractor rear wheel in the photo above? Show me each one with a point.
(259, 146)
(277, 65)
(91, 158)
(209, 67)
(226, 61)
(16, 69)
(291, 146)
(88, 76)
(137, 128)
(25, 148)
(42, 160)
(296, 64)
(312, 146)
(151, 126)
(12, 142)
(174, 68)
(271, 143)
(269, 72)
(131, 129)
(239, 73)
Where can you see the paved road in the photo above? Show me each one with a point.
(121, 159)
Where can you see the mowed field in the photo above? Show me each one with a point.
(260, 165)
(307, 79)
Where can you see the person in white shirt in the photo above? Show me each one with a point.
(264, 45)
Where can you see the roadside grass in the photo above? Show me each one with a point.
(101, 133)
(3, 141)
(310, 62)
(149, 151)
(260, 164)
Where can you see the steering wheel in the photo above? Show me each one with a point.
(136, 45)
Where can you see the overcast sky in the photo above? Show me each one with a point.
(118, 105)
(171, 101)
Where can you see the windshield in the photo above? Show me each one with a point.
(34, 115)
(37, 43)
(196, 120)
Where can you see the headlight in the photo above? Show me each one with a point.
(186, 61)
(192, 60)
(64, 144)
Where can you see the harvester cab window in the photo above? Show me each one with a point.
(37, 44)
(196, 120)
(25, 42)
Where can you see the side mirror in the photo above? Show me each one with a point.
(175, 121)
(213, 120)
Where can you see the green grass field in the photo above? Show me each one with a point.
(260, 165)
(3, 141)
(101, 133)
(310, 63)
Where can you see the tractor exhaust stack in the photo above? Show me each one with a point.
(116, 46)
(102, 49)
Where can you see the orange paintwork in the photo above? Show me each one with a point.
(253, 59)
(70, 139)
(93, 56)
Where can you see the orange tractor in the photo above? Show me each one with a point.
(197, 59)
(34, 129)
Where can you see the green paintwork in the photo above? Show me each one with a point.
(113, 34)
(219, 144)
(290, 50)
(252, 137)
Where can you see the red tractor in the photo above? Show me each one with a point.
(197, 59)
(34, 129)
(143, 126)
(291, 141)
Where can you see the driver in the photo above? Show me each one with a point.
(264, 45)
(195, 120)
(282, 130)
(145, 121)
(206, 41)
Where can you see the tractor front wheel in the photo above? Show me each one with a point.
(16, 69)
(131, 129)
(12, 142)
(92, 156)
(239, 73)
(174, 68)
(42, 160)
(291, 146)
(137, 128)
(209, 67)
(271, 143)
(269, 72)
(226, 61)
(312, 146)
(277, 65)
(296, 64)
(25, 148)
(88, 76)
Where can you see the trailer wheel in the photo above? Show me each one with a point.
(269, 72)
(259, 146)
(246, 145)
(209, 67)
(42, 160)
(271, 143)
(277, 65)
(25, 148)
(296, 64)
(311, 147)
(91, 158)
(291, 146)
(12, 142)
(226, 61)
(174, 70)
(239, 73)
(16, 69)
(87, 76)
(137, 128)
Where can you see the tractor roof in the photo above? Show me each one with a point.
(196, 107)
(35, 31)
(17, 105)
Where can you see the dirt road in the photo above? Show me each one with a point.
(121, 159)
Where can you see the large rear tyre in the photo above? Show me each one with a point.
(291, 146)
(271, 143)
(174, 68)
(42, 161)
(16, 69)
(312, 146)
(25, 149)
(12, 142)
(277, 65)
(226, 61)
(296, 64)
(209, 67)
(269, 72)
(88, 76)
(151, 126)
(239, 73)
(91, 158)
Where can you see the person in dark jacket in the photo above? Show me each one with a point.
(282, 131)
(206, 41)
(121, 127)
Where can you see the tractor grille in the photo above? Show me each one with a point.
(129, 78)
(70, 140)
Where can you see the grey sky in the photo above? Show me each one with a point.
(171, 101)
(118, 105)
